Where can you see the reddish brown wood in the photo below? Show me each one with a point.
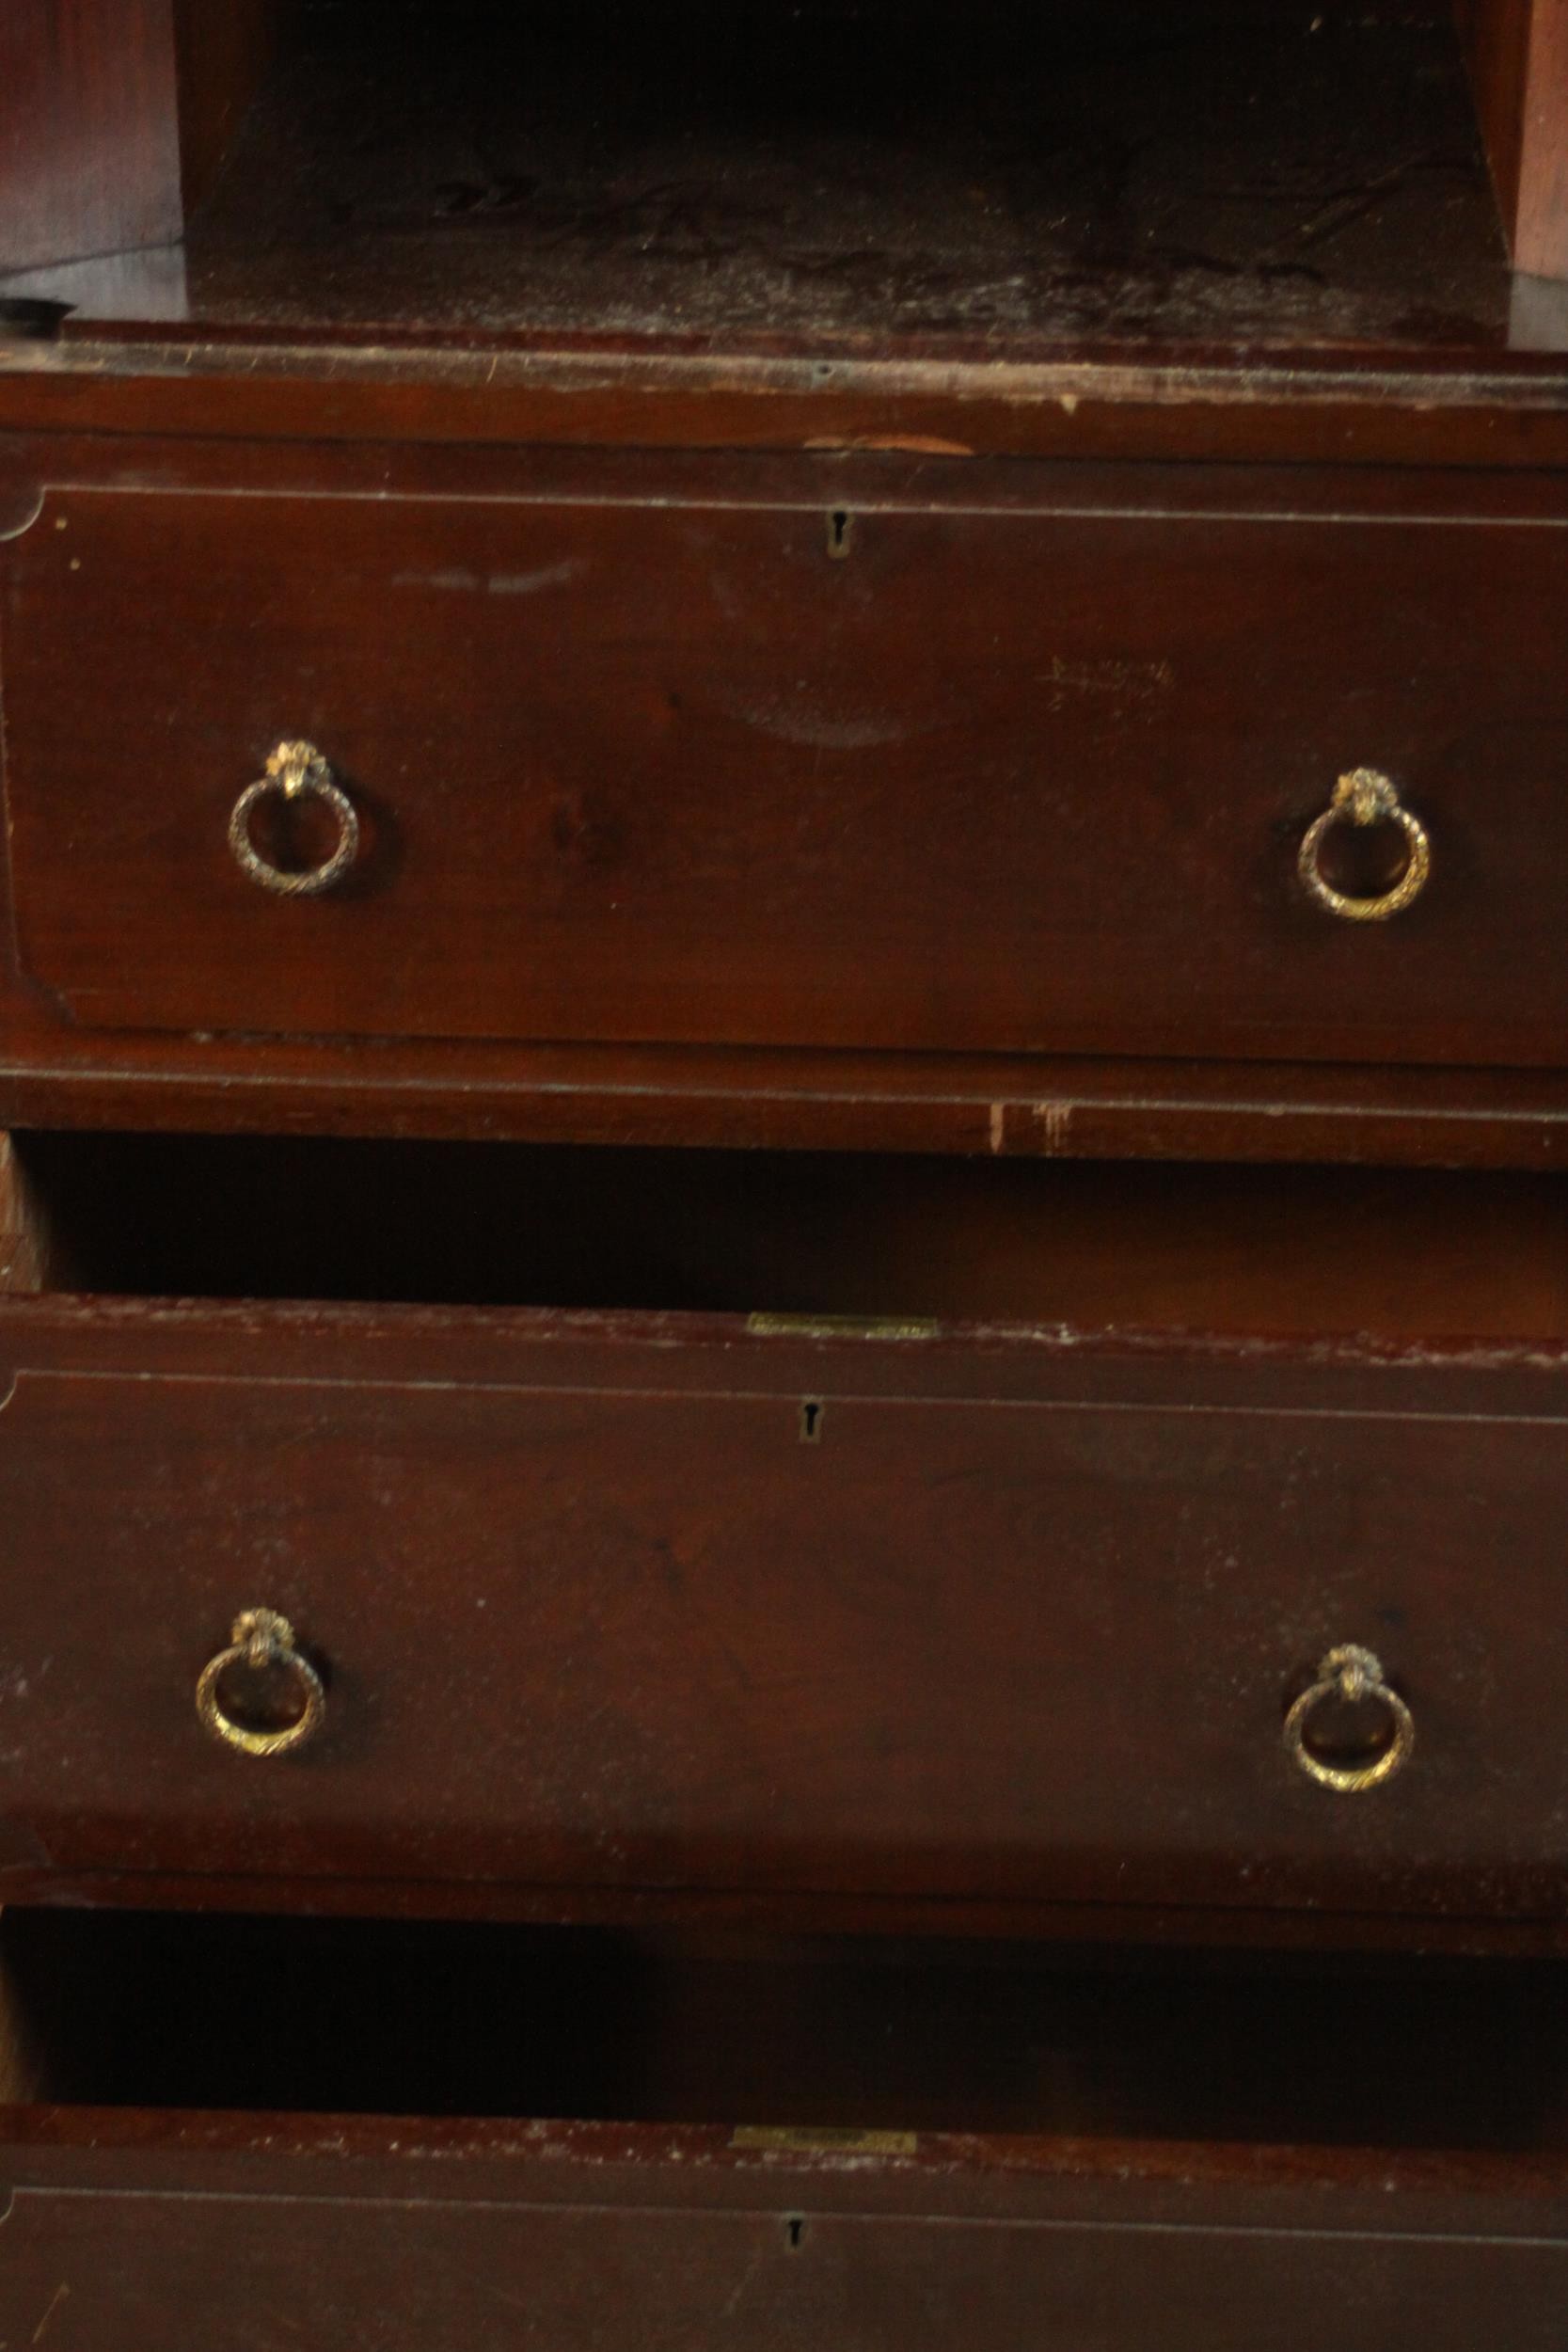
(24, 1251)
(643, 1616)
(1003, 780)
(1047, 1106)
(778, 1912)
(221, 55)
(1335, 409)
(596, 1615)
(114, 116)
(979, 1104)
(1518, 53)
(1041, 2168)
(88, 140)
(793, 2265)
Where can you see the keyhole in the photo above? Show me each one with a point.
(794, 2231)
(811, 1413)
(841, 531)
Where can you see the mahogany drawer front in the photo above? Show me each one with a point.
(299, 2251)
(1012, 2166)
(653, 1603)
(1013, 776)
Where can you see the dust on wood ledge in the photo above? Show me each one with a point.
(852, 177)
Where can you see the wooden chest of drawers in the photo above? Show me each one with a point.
(783, 1125)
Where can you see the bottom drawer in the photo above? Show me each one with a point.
(767, 2144)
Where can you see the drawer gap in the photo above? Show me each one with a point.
(1398, 1254)
(769, 2033)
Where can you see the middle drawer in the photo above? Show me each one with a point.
(1021, 1589)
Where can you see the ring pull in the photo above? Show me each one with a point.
(1350, 1677)
(1365, 797)
(262, 1647)
(296, 772)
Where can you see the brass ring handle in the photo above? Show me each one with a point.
(1351, 1673)
(259, 1638)
(1365, 797)
(296, 772)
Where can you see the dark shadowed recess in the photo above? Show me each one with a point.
(1394, 1253)
(348, 2016)
(1019, 173)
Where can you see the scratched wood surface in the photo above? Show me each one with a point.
(984, 763)
(673, 1601)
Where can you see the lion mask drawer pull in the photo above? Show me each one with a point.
(263, 1646)
(1364, 798)
(1350, 1677)
(295, 772)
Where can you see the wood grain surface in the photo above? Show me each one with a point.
(1035, 2166)
(1029, 779)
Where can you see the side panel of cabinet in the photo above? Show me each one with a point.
(114, 116)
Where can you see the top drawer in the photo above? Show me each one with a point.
(898, 774)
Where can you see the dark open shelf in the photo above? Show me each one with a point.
(1394, 1253)
(849, 175)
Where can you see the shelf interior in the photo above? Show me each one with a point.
(835, 176)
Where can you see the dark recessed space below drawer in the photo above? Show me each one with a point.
(1393, 1253)
(216, 2012)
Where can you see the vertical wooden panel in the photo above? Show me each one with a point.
(1518, 53)
(1540, 233)
(90, 158)
(222, 53)
(23, 1235)
(115, 116)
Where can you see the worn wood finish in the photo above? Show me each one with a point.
(991, 1105)
(581, 1579)
(1042, 2174)
(1115, 722)
(1518, 52)
(634, 1610)
(800, 2262)
(1510, 411)
(1043, 1107)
